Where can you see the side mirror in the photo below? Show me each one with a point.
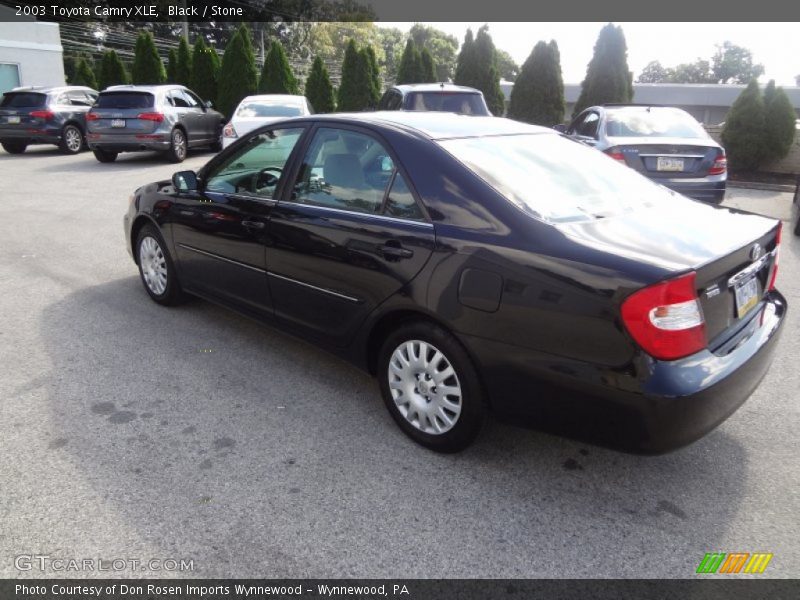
(185, 181)
(561, 128)
(208, 104)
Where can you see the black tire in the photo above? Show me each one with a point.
(216, 146)
(104, 156)
(472, 403)
(14, 147)
(178, 146)
(172, 294)
(72, 140)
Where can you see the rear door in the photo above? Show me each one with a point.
(346, 235)
(190, 114)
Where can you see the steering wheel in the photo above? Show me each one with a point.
(264, 178)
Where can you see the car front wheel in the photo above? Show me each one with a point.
(430, 387)
(177, 147)
(156, 268)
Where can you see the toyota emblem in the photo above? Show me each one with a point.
(756, 252)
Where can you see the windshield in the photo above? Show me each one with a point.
(26, 99)
(653, 122)
(261, 109)
(554, 178)
(463, 103)
(125, 100)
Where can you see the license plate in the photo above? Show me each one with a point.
(746, 296)
(13, 119)
(118, 122)
(665, 163)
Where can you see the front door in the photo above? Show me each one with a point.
(348, 235)
(219, 231)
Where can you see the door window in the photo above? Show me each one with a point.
(257, 166)
(79, 98)
(177, 99)
(588, 127)
(191, 99)
(400, 202)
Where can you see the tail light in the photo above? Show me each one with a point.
(616, 155)
(665, 319)
(229, 132)
(43, 114)
(151, 116)
(774, 275)
(720, 164)
(90, 116)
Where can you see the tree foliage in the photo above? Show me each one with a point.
(112, 71)
(276, 75)
(410, 63)
(538, 93)
(734, 64)
(780, 121)
(147, 65)
(373, 75)
(183, 66)
(477, 68)
(172, 66)
(238, 76)
(443, 48)
(319, 90)
(506, 67)
(608, 78)
(427, 67)
(744, 133)
(356, 92)
(205, 70)
(84, 75)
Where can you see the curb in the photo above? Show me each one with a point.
(770, 187)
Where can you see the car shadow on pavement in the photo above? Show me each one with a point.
(253, 453)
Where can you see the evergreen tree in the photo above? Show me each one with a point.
(374, 75)
(608, 78)
(319, 90)
(477, 68)
(147, 65)
(84, 75)
(466, 67)
(277, 76)
(779, 127)
(743, 134)
(205, 70)
(427, 67)
(172, 66)
(183, 70)
(355, 91)
(112, 71)
(238, 75)
(538, 93)
(408, 71)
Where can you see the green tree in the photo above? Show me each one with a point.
(654, 72)
(427, 67)
(779, 126)
(319, 90)
(238, 75)
(147, 65)
(506, 67)
(608, 78)
(734, 64)
(205, 70)
(477, 68)
(743, 133)
(697, 72)
(538, 93)
(172, 66)
(183, 67)
(374, 73)
(443, 48)
(277, 76)
(466, 67)
(355, 91)
(408, 71)
(112, 71)
(84, 75)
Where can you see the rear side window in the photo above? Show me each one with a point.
(125, 100)
(456, 102)
(23, 99)
(400, 202)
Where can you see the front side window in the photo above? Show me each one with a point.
(257, 165)
(588, 127)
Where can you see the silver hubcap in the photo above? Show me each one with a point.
(72, 138)
(154, 265)
(424, 387)
(179, 144)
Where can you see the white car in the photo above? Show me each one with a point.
(255, 111)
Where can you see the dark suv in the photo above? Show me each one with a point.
(442, 97)
(165, 118)
(45, 115)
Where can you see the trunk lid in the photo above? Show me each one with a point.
(16, 109)
(667, 157)
(119, 113)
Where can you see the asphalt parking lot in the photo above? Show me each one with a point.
(133, 431)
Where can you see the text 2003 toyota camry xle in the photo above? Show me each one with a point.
(475, 264)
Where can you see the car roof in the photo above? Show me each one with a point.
(50, 89)
(435, 87)
(143, 88)
(438, 125)
(276, 97)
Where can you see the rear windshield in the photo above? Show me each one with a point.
(465, 103)
(20, 99)
(554, 178)
(125, 100)
(262, 109)
(653, 122)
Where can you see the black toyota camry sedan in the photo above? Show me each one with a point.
(477, 265)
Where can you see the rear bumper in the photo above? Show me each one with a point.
(709, 191)
(649, 406)
(129, 143)
(31, 136)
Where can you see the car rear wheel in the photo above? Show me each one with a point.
(14, 147)
(430, 387)
(71, 140)
(156, 268)
(177, 147)
(104, 156)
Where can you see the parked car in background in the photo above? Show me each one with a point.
(165, 118)
(255, 111)
(469, 266)
(662, 143)
(444, 97)
(45, 115)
